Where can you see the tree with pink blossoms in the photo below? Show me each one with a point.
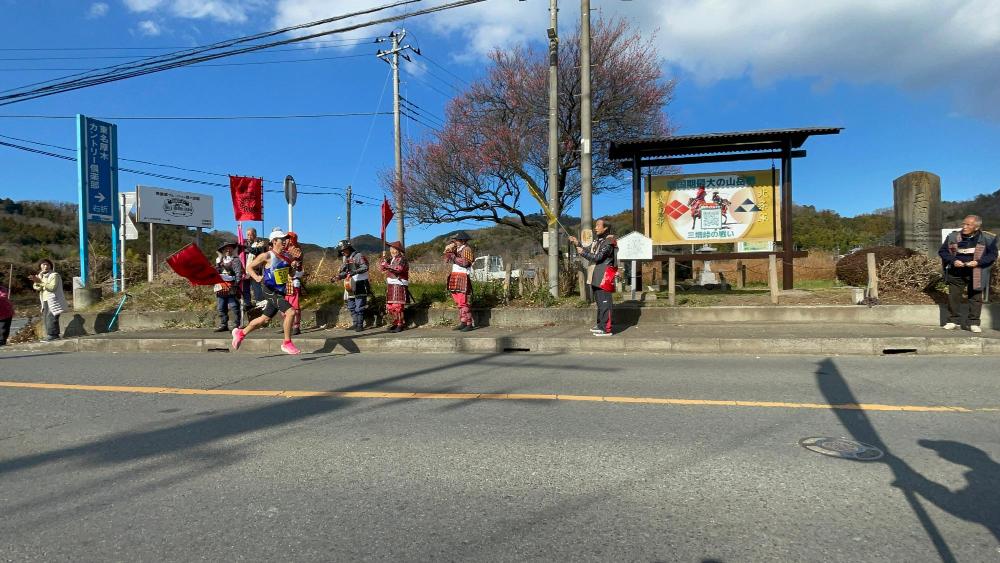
(495, 141)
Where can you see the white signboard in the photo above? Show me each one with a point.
(635, 246)
(127, 225)
(171, 207)
(754, 246)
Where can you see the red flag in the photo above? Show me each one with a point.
(190, 263)
(248, 203)
(386, 215)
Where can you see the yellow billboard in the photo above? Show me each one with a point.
(717, 207)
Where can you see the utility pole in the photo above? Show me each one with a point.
(586, 194)
(554, 247)
(348, 213)
(391, 56)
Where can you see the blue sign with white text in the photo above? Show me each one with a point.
(97, 155)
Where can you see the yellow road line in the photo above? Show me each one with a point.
(292, 394)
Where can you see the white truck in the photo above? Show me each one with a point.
(486, 268)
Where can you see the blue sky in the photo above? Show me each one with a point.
(915, 84)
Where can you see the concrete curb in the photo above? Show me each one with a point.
(865, 346)
(626, 314)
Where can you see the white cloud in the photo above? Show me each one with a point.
(142, 5)
(97, 10)
(915, 45)
(149, 28)
(225, 11)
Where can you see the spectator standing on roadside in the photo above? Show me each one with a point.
(354, 273)
(397, 280)
(6, 314)
(49, 286)
(460, 255)
(227, 294)
(294, 293)
(252, 292)
(602, 253)
(967, 256)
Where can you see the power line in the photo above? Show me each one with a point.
(444, 68)
(333, 190)
(204, 117)
(134, 58)
(176, 60)
(416, 119)
(250, 63)
(165, 47)
(146, 172)
(417, 109)
(196, 50)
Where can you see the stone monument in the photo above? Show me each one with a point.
(917, 207)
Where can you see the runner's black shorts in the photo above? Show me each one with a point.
(274, 302)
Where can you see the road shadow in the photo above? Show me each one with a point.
(976, 503)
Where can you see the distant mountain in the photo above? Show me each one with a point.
(986, 206)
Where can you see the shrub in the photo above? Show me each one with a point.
(918, 272)
(853, 268)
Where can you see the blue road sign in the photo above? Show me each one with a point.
(97, 155)
(97, 185)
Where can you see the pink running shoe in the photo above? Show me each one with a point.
(289, 348)
(238, 336)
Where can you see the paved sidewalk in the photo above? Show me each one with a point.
(738, 339)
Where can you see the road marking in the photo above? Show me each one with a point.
(292, 394)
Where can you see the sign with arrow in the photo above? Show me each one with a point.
(97, 157)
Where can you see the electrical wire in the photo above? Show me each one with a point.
(161, 63)
(204, 117)
(164, 48)
(214, 65)
(332, 190)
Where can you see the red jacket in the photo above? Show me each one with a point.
(6, 307)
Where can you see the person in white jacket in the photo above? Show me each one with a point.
(49, 286)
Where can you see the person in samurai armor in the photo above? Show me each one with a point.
(397, 274)
(354, 274)
(460, 255)
(227, 293)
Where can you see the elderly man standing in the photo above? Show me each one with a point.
(967, 256)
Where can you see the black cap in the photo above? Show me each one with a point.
(460, 235)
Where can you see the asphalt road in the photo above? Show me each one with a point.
(122, 474)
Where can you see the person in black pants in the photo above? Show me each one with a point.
(967, 256)
(603, 253)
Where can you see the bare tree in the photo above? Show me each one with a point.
(494, 143)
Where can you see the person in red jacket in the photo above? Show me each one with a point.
(6, 314)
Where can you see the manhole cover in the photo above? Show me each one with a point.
(842, 448)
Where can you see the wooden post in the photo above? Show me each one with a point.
(872, 277)
(741, 276)
(672, 282)
(772, 277)
(506, 281)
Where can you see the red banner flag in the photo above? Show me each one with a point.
(248, 202)
(386, 215)
(190, 263)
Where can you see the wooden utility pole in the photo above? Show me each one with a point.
(348, 213)
(554, 246)
(391, 56)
